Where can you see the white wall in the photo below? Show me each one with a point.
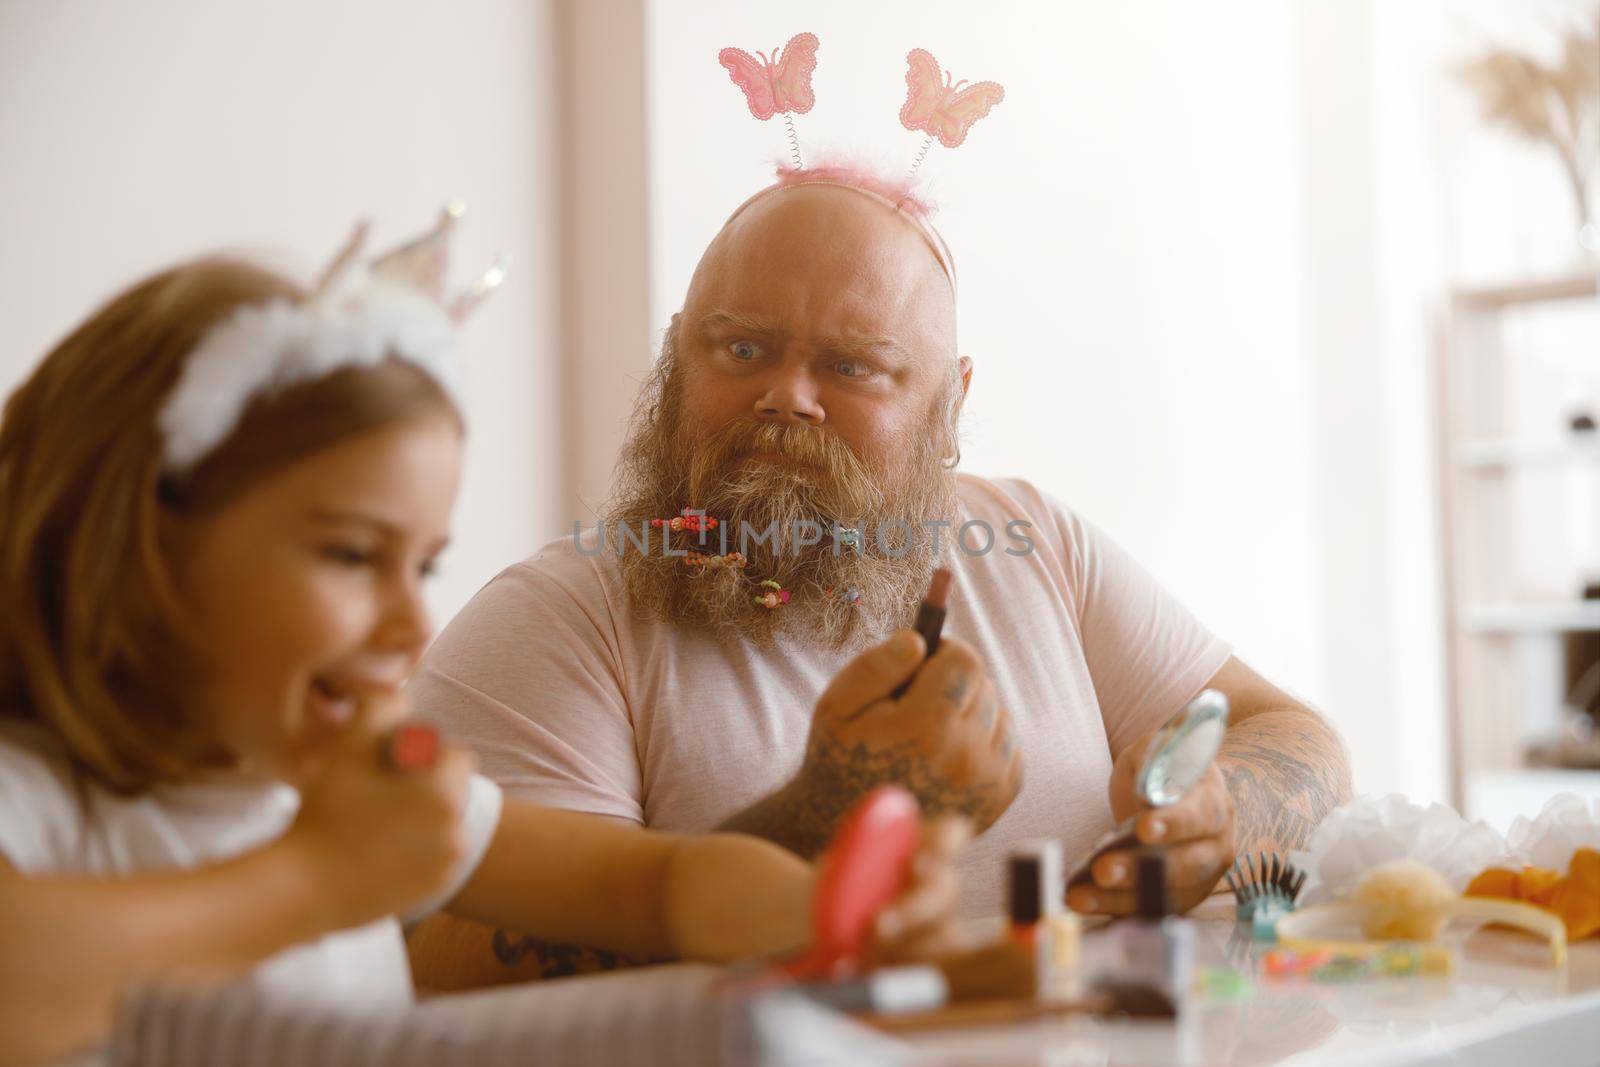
(1345, 410)
(605, 217)
(1197, 243)
(132, 135)
(1407, 266)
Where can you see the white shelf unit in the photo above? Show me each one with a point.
(1532, 617)
(1510, 454)
(1505, 644)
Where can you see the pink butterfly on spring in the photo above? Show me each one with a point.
(939, 108)
(782, 83)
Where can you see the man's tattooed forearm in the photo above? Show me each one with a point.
(803, 816)
(554, 961)
(1286, 770)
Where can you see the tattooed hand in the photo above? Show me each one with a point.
(1198, 832)
(1280, 770)
(948, 741)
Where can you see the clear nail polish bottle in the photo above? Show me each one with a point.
(1151, 953)
(1040, 924)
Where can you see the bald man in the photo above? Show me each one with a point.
(807, 398)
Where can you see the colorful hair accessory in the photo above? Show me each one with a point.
(941, 109)
(849, 596)
(732, 560)
(696, 520)
(780, 84)
(776, 595)
(848, 536)
(691, 519)
(1344, 961)
(395, 306)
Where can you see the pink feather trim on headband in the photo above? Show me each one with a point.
(859, 176)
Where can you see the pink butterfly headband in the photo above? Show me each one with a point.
(935, 104)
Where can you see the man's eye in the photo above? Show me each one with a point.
(850, 368)
(744, 351)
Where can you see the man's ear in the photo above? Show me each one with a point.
(965, 366)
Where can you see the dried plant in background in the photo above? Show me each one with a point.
(1558, 104)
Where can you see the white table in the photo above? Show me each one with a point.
(1504, 1006)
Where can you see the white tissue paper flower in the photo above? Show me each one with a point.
(1566, 824)
(1371, 831)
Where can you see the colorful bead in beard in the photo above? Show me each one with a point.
(776, 596)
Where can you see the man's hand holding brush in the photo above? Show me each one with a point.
(946, 738)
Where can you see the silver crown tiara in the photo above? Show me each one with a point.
(359, 313)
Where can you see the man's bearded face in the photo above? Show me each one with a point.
(782, 493)
(809, 382)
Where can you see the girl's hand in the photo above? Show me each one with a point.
(920, 923)
(374, 840)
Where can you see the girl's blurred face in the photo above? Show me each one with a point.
(308, 589)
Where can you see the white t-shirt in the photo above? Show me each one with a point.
(573, 700)
(43, 833)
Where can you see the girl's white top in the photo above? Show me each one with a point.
(43, 833)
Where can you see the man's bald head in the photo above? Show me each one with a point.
(827, 246)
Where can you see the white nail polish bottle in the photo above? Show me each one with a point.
(1152, 953)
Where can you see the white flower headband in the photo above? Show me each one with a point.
(357, 315)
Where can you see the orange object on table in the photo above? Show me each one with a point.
(1574, 897)
(1578, 900)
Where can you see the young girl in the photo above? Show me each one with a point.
(221, 498)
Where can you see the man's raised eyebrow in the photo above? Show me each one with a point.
(738, 321)
(865, 346)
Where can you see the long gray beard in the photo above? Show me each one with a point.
(840, 597)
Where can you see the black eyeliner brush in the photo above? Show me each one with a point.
(930, 620)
